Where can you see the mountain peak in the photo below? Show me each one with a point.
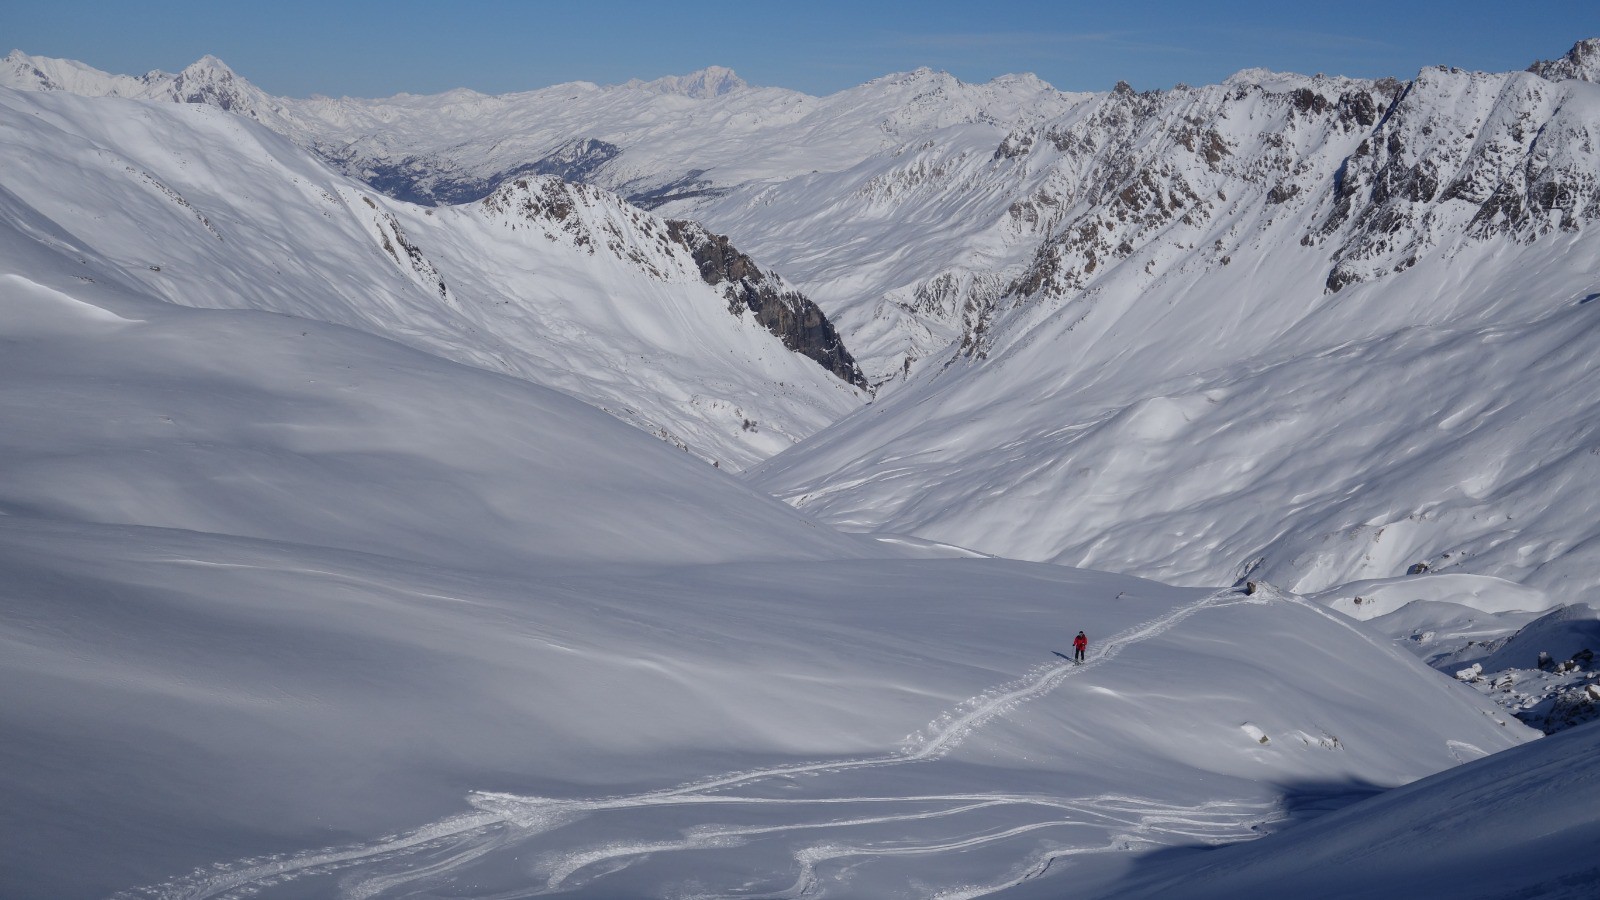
(210, 81)
(206, 69)
(42, 73)
(1582, 63)
(712, 81)
(1026, 80)
(919, 77)
(208, 62)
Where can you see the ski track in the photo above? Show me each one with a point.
(502, 820)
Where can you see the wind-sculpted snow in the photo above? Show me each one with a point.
(197, 419)
(1518, 824)
(337, 677)
(1462, 450)
(817, 822)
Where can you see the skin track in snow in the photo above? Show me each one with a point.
(804, 811)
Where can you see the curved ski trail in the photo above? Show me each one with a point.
(436, 851)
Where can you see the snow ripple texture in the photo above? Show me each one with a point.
(808, 844)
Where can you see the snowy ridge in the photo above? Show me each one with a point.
(1343, 349)
(1582, 62)
(564, 285)
(712, 81)
(207, 81)
(678, 136)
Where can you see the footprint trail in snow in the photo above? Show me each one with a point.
(704, 840)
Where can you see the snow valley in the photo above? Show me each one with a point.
(690, 489)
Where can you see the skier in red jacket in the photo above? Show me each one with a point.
(1079, 644)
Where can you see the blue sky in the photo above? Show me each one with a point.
(370, 49)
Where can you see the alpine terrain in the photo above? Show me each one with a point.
(685, 488)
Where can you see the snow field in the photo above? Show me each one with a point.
(1315, 469)
(805, 817)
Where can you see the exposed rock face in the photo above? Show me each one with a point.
(406, 254)
(594, 220)
(1388, 172)
(1520, 166)
(1582, 63)
(786, 313)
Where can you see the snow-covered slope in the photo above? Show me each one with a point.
(855, 190)
(1519, 824)
(910, 204)
(314, 587)
(561, 284)
(1341, 347)
(283, 429)
(291, 609)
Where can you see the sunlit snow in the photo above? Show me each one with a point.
(350, 548)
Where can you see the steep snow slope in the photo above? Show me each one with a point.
(274, 585)
(1519, 824)
(312, 435)
(563, 285)
(1211, 373)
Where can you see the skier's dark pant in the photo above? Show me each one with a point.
(1077, 655)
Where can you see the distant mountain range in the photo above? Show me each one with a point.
(1076, 275)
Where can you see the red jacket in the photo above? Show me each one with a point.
(1080, 642)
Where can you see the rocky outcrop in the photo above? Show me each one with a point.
(1462, 155)
(596, 221)
(1582, 63)
(788, 314)
(1387, 171)
(406, 254)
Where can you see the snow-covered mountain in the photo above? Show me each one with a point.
(295, 610)
(319, 582)
(207, 81)
(1335, 332)
(673, 138)
(653, 320)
